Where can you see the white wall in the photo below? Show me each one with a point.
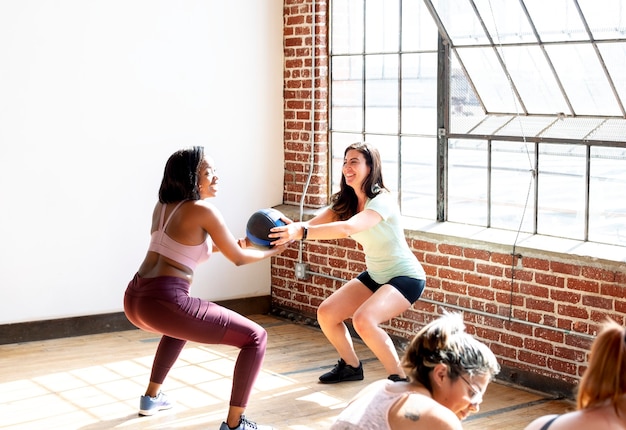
(94, 96)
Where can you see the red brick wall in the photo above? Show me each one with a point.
(539, 291)
(299, 100)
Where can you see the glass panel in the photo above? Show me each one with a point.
(347, 26)
(347, 93)
(419, 32)
(381, 94)
(463, 99)
(614, 56)
(525, 126)
(346, 67)
(347, 118)
(467, 182)
(418, 177)
(492, 123)
(419, 94)
(505, 21)
(607, 206)
(533, 79)
(388, 148)
(512, 185)
(382, 24)
(382, 67)
(606, 22)
(572, 128)
(489, 79)
(461, 121)
(561, 191)
(461, 23)
(556, 20)
(584, 81)
(610, 129)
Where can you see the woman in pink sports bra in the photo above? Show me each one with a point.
(185, 230)
(601, 397)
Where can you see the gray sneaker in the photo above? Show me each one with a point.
(245, 424)
(151, 405)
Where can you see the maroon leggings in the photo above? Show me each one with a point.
(163, 305)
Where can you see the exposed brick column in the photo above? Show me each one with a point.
(299, 93)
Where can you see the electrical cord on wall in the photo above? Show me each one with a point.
(515, 256)
(312, 139)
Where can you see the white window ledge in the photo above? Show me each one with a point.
(504, 240)
(491, 239)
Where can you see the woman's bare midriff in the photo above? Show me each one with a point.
(155, 265)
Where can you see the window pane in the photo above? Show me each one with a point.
(489, 79)
(614, 56)
(418, 177)
(461, 22)
(419, 94)
(388, 148)
(612, 129)
(556, 20)
(347, 118)
(347, 26)
(512, 186)
(347, 93)
(467, 182)
(382, 26)
(607, 206)
(505, 21)
(606, 22)
(584, 80)
(381, 94)
(573, 128)
(465, 109)
(419, 31)
(534, 80)
(561, 191)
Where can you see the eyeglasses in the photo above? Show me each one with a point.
(476, 396)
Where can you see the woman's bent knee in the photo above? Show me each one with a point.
(363, 324)
(327, 314)
(261, 337)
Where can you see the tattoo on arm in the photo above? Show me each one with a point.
(411, 415)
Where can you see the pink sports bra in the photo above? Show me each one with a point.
(188, 255)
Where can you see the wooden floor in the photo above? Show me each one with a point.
(94, 382)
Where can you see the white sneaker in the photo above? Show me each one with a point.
(151, 405)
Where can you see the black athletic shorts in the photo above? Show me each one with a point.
(410, 288)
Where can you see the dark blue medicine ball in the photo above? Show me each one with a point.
(259, 225)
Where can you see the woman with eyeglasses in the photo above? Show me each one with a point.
(448, 372)
(394, 279)
(185, 230)
(601, 397)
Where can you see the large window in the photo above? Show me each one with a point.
(525, 130)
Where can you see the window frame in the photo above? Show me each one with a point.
(446, 51)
